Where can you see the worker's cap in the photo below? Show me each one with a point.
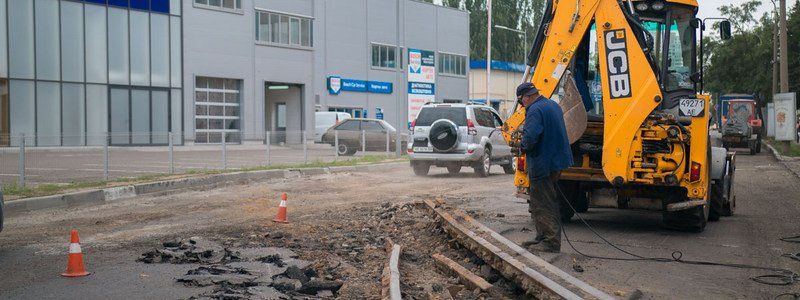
(526, 89)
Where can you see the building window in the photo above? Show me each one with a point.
(276, 28)
(227, 5)
(452, 64)
(217, 102)
(383, 56)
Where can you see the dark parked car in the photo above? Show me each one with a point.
(350, 135)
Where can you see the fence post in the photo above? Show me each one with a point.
(105, 155)
(336, 144)
(171, 161)
(363, 141)
(224, 152)
(387, 142)
(305, 148)
(397, 144)
(269, 142)
(22, 160)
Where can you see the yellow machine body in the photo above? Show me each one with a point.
(628, 123)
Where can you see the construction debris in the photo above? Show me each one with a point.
(192, 250)
(244, 273)
(537, 277)
(391, 276)
(468, 278)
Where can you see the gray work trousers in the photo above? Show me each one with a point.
(544, 209)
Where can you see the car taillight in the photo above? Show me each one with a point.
(521, 163)
(694, 174)
(471, 128)
(410, 150)
(413, 123)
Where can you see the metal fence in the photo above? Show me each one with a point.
(27, 160)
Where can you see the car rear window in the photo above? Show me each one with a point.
(428, 115)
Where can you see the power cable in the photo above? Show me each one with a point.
(779, 277)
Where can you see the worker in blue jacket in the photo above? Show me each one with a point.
(547, 153)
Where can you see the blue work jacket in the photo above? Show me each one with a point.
(544, 139)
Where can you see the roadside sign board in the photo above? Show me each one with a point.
(770, 116)
(421, 80)
(785, 117)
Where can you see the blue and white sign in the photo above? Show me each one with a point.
(421, 80)
(334, 85)
(378, 113)
(337, 84)
(379, 87)
(421, 88)
(353, 85)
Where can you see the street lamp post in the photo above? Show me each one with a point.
(524, 38)
(488, 49)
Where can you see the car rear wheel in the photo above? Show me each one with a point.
(453, 169)
(421, 169)
(484, 164)
(345, 149)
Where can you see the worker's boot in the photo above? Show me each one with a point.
(536, 240)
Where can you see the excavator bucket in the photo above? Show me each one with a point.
(574, 110)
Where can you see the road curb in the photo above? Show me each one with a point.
(783, 160)
(775, 152)
(98, 196)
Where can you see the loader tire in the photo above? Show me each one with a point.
(571, 191)
(692, 220)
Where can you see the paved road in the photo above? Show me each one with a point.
(64, 165)
(33, 247)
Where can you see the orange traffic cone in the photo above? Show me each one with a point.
(75, 259)
(282, 217)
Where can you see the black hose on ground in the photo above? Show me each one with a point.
(779, 277)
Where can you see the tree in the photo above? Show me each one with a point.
(743, 64)
(793, 28)
(506, 45)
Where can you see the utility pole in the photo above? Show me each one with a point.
(775, 50)
(784, 53)
(488, 48)
(402, 121)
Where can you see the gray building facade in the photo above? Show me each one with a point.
(83, 72)
(77, 73)
(252, 66)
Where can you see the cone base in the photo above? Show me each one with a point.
(78, 274)
(280, 221)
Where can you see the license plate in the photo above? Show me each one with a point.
(423, 149)
(692, 107)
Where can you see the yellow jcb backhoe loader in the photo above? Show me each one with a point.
(649, 148)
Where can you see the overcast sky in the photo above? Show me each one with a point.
(708, 8)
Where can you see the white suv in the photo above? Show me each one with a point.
(458, 135)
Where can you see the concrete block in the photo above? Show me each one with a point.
(313, 171)
(85, 197)
(17, 206)
(119, 192)
(342, 169)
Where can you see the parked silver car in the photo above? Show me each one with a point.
(456, 136)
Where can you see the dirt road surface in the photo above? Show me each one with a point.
(344, 219)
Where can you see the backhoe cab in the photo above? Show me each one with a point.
(647, 146)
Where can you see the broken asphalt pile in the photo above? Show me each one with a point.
(244, 273)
